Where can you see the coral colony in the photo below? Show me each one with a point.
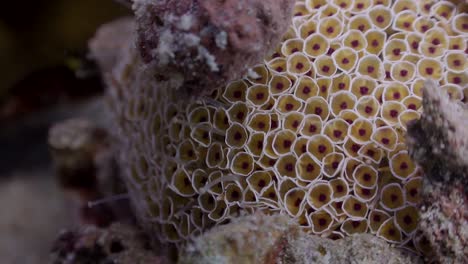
(316, 132)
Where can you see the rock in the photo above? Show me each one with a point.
(118, 244)
(439, 143)
(208, 42)
(274, 239)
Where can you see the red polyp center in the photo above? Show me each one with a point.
(404, 166)
(380, 19)
(289, 106)
(322, 221)
(306, 90)
(322, 197)
(260, 145)
(363, 90)
(427, 7)
(318, 110)
(330, 30)
(361, 27)
(355, 224)
(413, 192)
(392, 232)
(370, 153)
(368, 109)
(294, 50)
(341, 86)
(357, 207)
(240, 115)
(370, 69)
(287, 143)
(237, 136)
(406, 24)
(323, 88)
(396, 52)
(432, 49)
(261, 125)
(362, 132)
(245, 165)
(403, 73)
(457, 80)
(322, 148)
(260, 96)
(345, 61)
(375, 43)
(355, 147)
(407, 219)
(376, 218)
(297, 202)
(429, 71)
(343, 5)
(343, 105)
(385, 141)
(316, 47)
(289, 167)
(367, 177)
(465, 26)
(310, 167)
(279, 86)
(455, 46)
(261, 183)
(394, 197)
(335, 164)
(312, 128)
(299, 66)
(237, 94)
(337, 133)
(325, 68)
(339, 188)
(436, 41)
(295, 124)
(235, 194)
(457, 62)
(360, 6)
(393, 113)
(415, 45)
(355, 43)
(279, 69)
(396, 95)
(412, 106)
(365, 192)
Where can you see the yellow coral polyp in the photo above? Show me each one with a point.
(315, 132)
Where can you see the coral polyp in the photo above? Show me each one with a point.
(317, 132)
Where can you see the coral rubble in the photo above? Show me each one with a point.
(439, 142)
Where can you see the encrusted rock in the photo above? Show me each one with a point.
(439, 142)
(208, 42)
(274, 239)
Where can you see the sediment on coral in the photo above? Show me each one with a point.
(315, 133)
(439, 143)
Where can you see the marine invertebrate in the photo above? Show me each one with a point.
(316, 132)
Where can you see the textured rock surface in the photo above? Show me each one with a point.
(117, 244)
(439, 142)
(272, 239)
(208, 42)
